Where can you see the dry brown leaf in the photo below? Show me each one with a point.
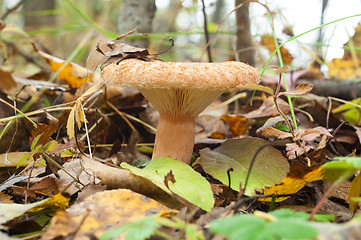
(268, 109)
(301, 89)
(283, 69)
(46, 186)
(45, 130)
(100, 213)
(7, 82)
(304, 139)
(88, 190)
(4, 198)
(273, 132)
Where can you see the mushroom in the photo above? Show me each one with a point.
(179, 91)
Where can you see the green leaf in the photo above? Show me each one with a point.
(247, 226)
(138, 230)
(355, 161)
(288, 213)
(338, 171)
(192, 233)
(352, 116)
(66, 153)
(324, 217)
(29, 155)
(286, 226)
(269, 167)
(354, 191)
(35, 141)
(188, 184)
(51, 146)
(347, 106)
(292, 228)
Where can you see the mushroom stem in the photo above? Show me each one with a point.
(175, 138)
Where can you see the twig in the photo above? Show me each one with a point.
(220, 25)
(206, 31)
(322, 201)
(251, 164)
(10, 10)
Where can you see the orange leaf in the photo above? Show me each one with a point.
(268, 41)
(238, 124)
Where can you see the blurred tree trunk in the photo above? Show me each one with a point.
(31, 21)
(244, 48)
(218, 12)
(137, 14)
(321, 30)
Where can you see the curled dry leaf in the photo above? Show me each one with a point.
(77, 114)
(307, 139)
(301, 89)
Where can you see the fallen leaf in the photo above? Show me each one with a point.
(11, 211)
(77, 115)
(45, 131)
(7, 81)
(12, 160)
(115, 177)
(301, 89)
(355, 191)
(296, 179)
(188, 184)
(268, 109)
(273, 132)
(267, 40)
(237, 124)
(11, 181)
(269, 167)
(71, 73)
(4, 198)
(46, 186)
(100, 213)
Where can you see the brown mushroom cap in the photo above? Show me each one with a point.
(179, 91)
(223, 76)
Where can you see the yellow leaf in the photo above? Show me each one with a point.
(70, 124)
(296, 179)
(11, 211)
(101, 212)
(56, 203)
(355, 190)
(71, 73)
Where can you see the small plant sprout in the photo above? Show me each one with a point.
(179, 91)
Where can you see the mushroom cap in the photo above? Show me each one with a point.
(225, 76)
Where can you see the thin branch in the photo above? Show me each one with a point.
(12, 9)
(206, 31)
